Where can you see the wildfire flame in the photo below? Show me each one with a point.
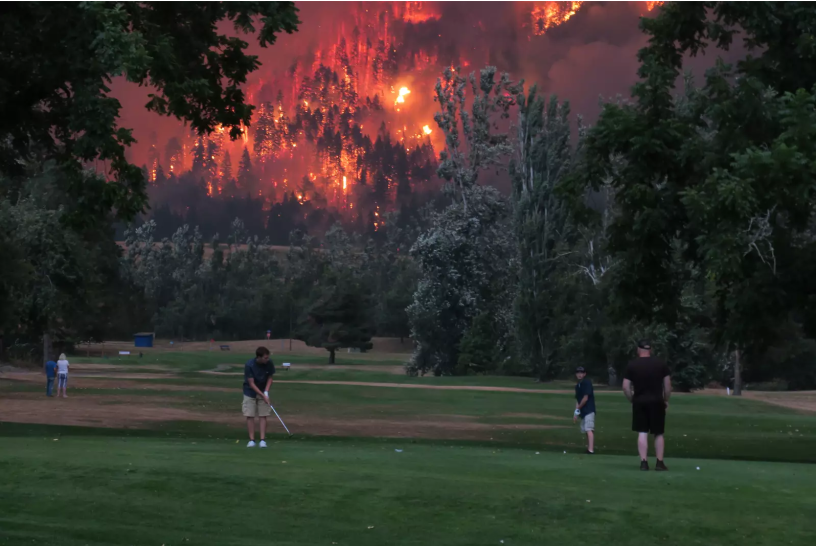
(418, 12)
(427, 130)
(546, 15)
(402, 92)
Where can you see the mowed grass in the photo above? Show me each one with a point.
(194, 482)
(698, 426)
(114, 490)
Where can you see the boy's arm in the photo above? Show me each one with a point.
(268, 384)
(583, 402)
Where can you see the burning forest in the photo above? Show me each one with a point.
(343, 129)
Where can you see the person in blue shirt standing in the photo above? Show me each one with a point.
(585, 407)
(50, 375)
(258, 374)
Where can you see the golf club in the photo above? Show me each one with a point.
(279, 419)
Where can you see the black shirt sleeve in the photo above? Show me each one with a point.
(666, 370)
(628, 373)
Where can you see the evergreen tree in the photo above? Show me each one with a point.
(200, 162)
(173, 156)
(226, 167)
(247, 180)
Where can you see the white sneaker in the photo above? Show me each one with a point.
(263, 443)
(251, 443)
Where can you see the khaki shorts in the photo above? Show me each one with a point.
(588, 423)
(255, 407)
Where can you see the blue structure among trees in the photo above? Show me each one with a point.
(144, 339)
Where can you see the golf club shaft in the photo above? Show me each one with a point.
(279, 419)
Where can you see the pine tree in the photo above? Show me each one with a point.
(226, 166)
(173, 156)
(264, 130)
(211, 161)
(246, 174)
(199, 157)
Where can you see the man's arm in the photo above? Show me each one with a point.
(627, 389)
(255, 388)
(268, 384)
(583, 402)
(666, 390)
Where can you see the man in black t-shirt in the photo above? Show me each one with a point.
(647, 385)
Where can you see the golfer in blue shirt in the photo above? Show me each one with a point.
(258, 374)
(585, 407)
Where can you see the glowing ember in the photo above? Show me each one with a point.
(344, 183)
(427, 130)
(652, 5)
(546, 15)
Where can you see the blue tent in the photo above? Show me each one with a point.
(143, 339)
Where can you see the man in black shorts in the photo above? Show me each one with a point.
(647, 385)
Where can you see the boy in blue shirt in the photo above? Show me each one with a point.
(50, 375)
(585, 407)
(258, 374)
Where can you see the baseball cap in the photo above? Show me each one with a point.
(580, 369)
(644, 344)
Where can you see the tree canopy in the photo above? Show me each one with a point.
(722, 174)
(57, 61)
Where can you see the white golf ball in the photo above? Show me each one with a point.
(698, 468)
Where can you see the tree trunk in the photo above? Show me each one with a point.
(331, 356)
(46, 348)
(737, 373)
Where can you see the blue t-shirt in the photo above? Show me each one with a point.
(584, 388)
(50, 369)
(260, 373)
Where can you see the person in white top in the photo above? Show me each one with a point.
(62, 375)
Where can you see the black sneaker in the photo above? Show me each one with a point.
(660, 466)
(644, 465)
(588, 452)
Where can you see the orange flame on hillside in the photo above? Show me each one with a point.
(546, 15)
(416, 12)
(551, 14)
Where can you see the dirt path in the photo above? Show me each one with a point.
(124, 411)
(223, 369)
(800, 401)
(435, 387)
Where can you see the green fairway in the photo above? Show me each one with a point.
(85, 490)
(475, 466)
